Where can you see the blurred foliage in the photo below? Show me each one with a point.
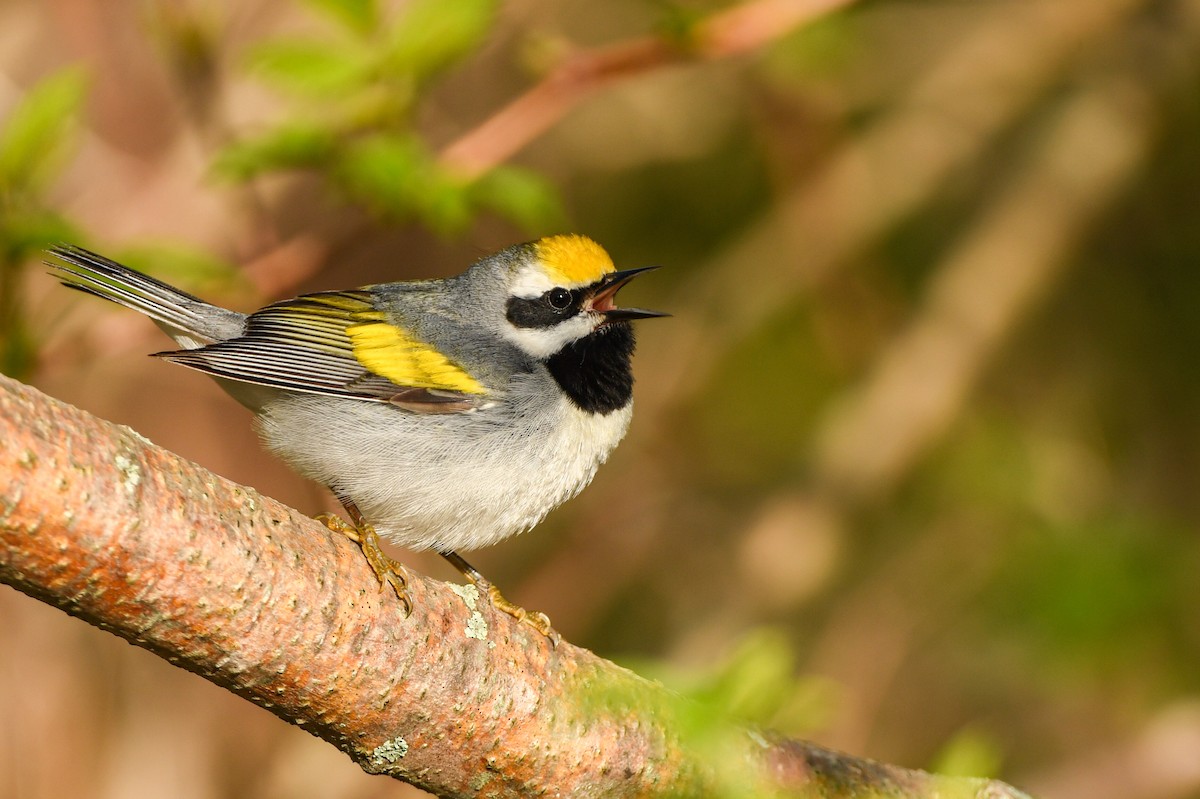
(36, 140)
(37, 137)
(716, 709)
(970, 753)
(755, 684)
(187, 267)
(1018, 595)
(355, 92)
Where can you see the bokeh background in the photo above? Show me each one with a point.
(913, 471)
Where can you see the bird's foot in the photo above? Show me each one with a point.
(535, 619)
(388, 571)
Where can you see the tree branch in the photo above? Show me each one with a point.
(730, 32)
(267, 603)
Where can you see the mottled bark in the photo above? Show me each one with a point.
(266, 602)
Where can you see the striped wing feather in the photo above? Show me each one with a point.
(338, 344)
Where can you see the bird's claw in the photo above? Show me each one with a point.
(387, 571)
(535, 619)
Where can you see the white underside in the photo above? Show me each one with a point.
(447, 481)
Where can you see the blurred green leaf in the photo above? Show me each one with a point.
(445, 205)
(755, 679)
(314, 68)
(755, 684)
(18, 349)
(822, 48)
(189, 268)
(293, 145)
(397, 176)
(677, 23)
(432, 33)
(758, 684)
(367, 87)
(36, 134)
(359, 16)
(33, 142)
(711, 709)
(386, 171)
(25, 233)
(522, 196)
(970, 753)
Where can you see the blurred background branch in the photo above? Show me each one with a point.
(926, 410)
(727, 33)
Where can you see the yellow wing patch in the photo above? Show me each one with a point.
(574, 259)
(391, 352)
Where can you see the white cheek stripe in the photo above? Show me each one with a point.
(542, 342)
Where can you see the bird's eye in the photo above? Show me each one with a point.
(559, 299)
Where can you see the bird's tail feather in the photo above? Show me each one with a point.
(187, 319)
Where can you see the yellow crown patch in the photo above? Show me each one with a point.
(574, 259)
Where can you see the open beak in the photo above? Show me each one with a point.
(606, 291)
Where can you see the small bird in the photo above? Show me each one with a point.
(444, 414)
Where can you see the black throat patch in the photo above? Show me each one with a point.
(595, 370)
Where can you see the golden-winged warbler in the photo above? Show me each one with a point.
(445, 414)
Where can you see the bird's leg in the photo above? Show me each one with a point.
(362, 532)
(537, 620)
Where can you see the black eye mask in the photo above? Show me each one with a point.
(548, 310)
